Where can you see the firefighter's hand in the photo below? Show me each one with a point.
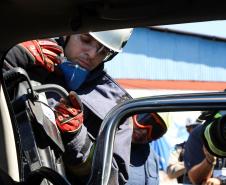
(43, 52)
(212, 181)
(209, 157)
(69, 114)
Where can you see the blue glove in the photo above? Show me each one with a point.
(74, 75)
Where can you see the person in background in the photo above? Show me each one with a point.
(76, 63)
(202, 166)
(144, 167)
(176, 168)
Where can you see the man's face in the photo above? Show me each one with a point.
(190, 128)
(84, 50)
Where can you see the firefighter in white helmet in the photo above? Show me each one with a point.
(78, 66)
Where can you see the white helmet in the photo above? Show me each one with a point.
(115, 40)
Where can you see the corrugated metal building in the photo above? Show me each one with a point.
(159, 58)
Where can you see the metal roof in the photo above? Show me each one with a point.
(205, 36)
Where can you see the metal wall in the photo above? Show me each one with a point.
(156, 55)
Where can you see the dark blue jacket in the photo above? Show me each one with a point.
(144, 166)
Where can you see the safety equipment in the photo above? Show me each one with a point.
(74, 74)
(69, 115)
(214, 135)
(153, 123)
(44, 52)
(114, 40)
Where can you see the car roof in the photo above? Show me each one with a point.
(29, 19)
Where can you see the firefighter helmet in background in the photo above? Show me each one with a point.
(192, 121)
(114, 40)
(214, 135)
(153, 123)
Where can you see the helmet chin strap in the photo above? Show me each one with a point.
(111, 57)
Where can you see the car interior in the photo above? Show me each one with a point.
(30, 158)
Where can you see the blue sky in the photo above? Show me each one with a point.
(212, 28)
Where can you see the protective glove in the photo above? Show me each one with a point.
(43, 52)
(69, 114)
